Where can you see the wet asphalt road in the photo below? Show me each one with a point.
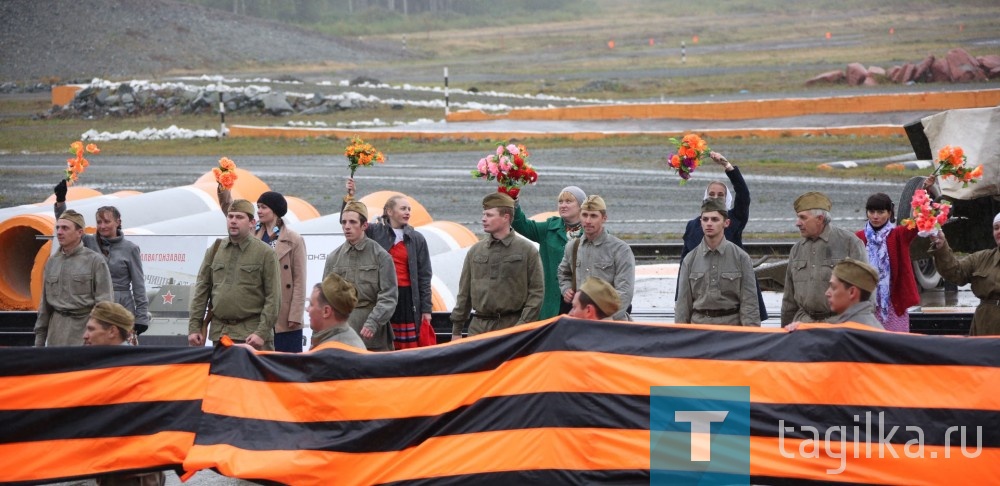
(643, 197)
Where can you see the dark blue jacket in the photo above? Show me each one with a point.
(738, 217)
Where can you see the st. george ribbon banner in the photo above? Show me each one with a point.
(564, 401)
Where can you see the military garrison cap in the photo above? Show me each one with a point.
(498, 200)
(857, 273)
(812, 200)
(243, 206)
(358, 207)
(71, 215)
(114, 314)
(593, 203)
(603, 294)
(340, 293)
(715, 204)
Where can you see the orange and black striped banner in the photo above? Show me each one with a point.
(564, 401)
(567, 402)
(77, 412)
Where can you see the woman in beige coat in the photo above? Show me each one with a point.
(291, 253)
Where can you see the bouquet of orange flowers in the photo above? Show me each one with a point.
(691, 149)
(359, 153)
(77, 165)
(225, 173)
(928, 216)
(509, 167)
(951, 163)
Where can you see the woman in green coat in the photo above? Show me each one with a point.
(552, 236)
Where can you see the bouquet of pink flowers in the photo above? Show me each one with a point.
(509, 167)
(928, 216)
(691, 150)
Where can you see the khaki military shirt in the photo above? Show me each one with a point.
(607, 258)
(862, 313)
(716, 281)
(502, 281)
(807, 277)
(370, 269)
(341, 334)
(982, 271)
(73, 283)
(242, 280)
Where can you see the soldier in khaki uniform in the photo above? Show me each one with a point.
(812, 258)
(369, 268)
(980, 269)
(75, 279)
(599, 254)
(330, 306)
(501, 278)
(850, 293)
(717, 284)
(596, 300)
(241, 278)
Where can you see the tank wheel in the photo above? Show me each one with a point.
(924, 272)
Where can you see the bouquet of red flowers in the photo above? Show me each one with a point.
(360, 153)
(76, 166)
(928, 216)
(509, 167)
(691, 150)
(951, 163)
(225, 173)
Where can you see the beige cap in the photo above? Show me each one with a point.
(498, 200)
(71, 215)
(593, 203)
(715, 204)
(114, 314)
(340, 293)
(857, 273)
(243, 206)
(358, 207)
(603, 294)
(812, 200)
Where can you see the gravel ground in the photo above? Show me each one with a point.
(120, 38)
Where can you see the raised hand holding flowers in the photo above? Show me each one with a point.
(76, 166)
(225, 173)
(928, 216)
(359, 153)
(509, 167)
(691, 150)
(951, 163)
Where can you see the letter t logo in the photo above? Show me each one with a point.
(701, 430)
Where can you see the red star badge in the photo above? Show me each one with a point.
(168, 298)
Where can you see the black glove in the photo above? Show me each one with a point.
(60, 191)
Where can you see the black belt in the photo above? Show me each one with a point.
(75, 313)
(495, 316)
(717, 312)
(233, 322)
